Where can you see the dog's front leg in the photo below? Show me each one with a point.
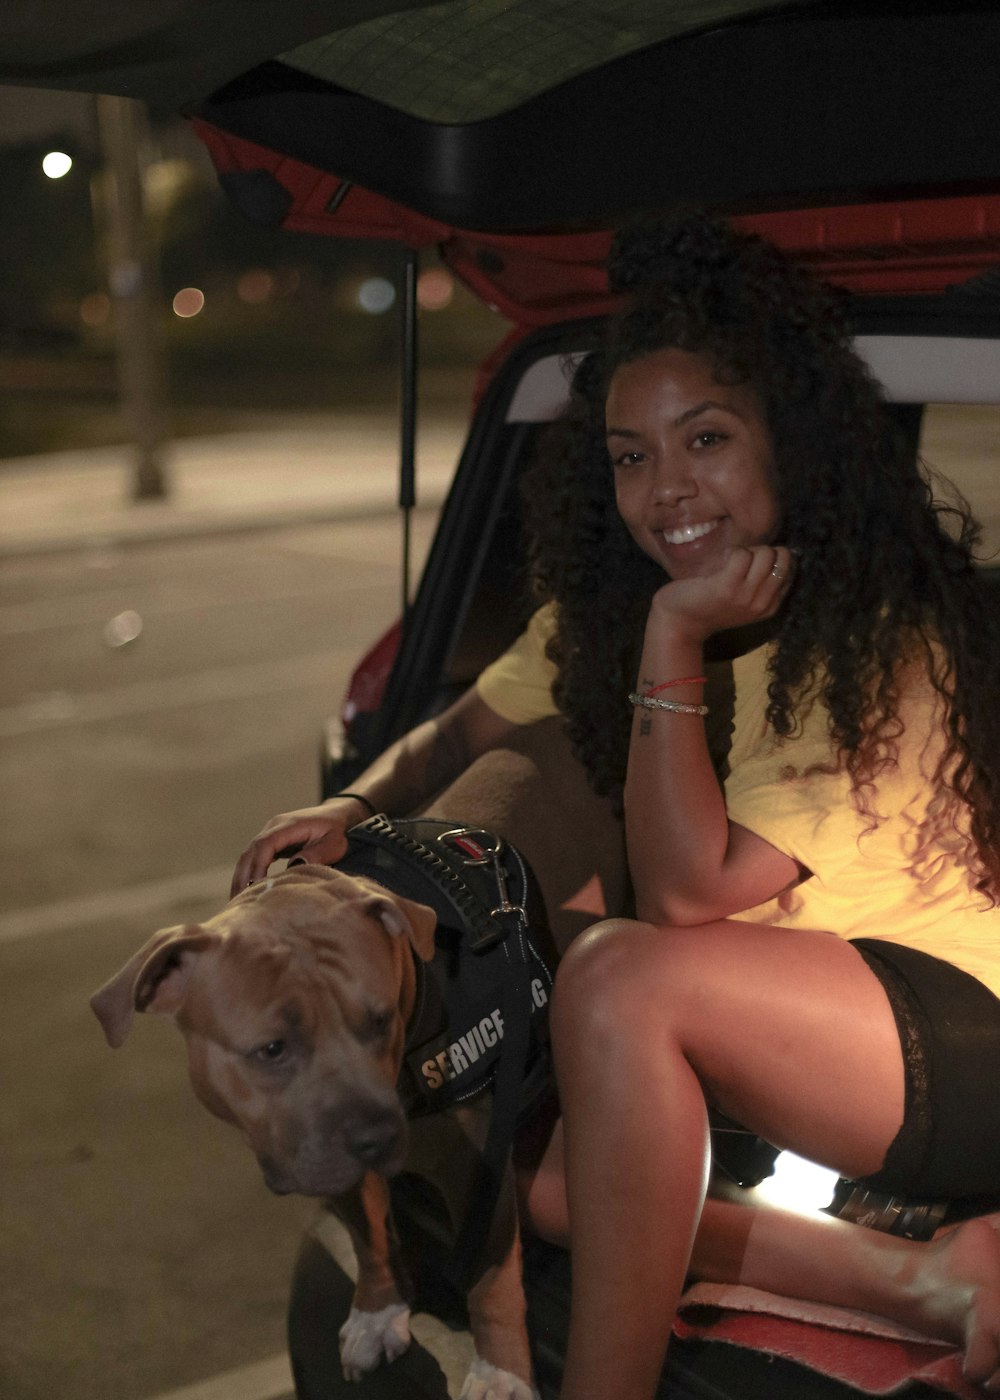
(378, 1326)
(502, 1369)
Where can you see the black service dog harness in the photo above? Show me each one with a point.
(480, 1020)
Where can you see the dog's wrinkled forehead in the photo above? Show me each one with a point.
(296, 935)
(302, 882)
(316, 902)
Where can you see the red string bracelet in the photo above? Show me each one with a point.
(685, 680)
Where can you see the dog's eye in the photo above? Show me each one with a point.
(272, 1052)
(377, 1025)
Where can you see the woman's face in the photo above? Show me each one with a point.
(693, 463)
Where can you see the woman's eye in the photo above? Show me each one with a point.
(708, 438)
(272, 1052)
(627, 459)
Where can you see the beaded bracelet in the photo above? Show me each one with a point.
(372, 811)
(676, 707)
(685, 680)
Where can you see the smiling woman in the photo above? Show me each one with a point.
(743, 427)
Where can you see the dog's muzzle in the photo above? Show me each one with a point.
(338, 1148)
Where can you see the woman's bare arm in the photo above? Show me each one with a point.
(689, 862)
(402, 779)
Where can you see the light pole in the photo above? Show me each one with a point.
(132, 280)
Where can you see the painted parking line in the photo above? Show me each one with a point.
(264, 1380)
(272, 1379)
(126, 902)
(156, 598)
(60, 709)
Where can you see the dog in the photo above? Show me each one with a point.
(294, 1002)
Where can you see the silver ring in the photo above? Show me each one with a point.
(776, 572)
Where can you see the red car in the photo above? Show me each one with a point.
(926, 273)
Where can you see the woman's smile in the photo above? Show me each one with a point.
(685, 534)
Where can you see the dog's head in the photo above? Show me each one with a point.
(293, 1001)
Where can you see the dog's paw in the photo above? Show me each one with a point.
(486, 1382)
(368, 1338)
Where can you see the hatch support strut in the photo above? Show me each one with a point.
(408, 415)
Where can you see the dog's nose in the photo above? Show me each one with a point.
(373, 1139)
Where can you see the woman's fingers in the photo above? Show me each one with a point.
(779, 563)
(755, 580)
(256, 860)
(316, 838)
(782, 566)
(750, 586)
(327, 849)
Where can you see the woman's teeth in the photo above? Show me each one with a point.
(687, 533)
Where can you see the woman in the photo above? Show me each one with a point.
(818, 945)
(730, 486)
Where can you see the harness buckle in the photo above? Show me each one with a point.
(474, 844)
(478, 847)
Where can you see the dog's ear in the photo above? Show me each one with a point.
(398, 915)
(155, 979)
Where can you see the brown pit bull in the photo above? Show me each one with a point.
(294, 1002)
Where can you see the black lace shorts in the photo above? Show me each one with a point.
(949, 1029)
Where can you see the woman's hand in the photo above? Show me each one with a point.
(402, 779)
(314, 834)
(750, 586)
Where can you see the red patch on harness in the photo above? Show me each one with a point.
(469, 846)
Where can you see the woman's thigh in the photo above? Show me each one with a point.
(788, 1031)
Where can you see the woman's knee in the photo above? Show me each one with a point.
(652, 979)
(604, 976)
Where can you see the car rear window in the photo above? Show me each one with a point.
(956, 378)
(962, 441)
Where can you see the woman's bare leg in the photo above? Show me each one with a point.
(949, 1288)
(646, 1021)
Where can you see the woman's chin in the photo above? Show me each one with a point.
(688, 561)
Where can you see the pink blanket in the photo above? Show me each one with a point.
(855, 1348)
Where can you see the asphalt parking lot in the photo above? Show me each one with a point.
(169, 671)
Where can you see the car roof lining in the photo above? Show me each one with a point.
(468, 60)
(556, 113)
(441, 60)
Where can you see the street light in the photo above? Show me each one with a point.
(57, 164)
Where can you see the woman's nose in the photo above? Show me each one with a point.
(672, 483)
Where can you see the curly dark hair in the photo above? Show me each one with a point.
(885, 568)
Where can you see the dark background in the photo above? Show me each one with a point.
(282, 328)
